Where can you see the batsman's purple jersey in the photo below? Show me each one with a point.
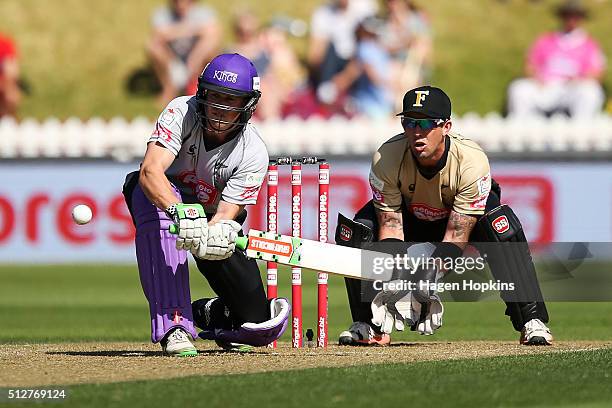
(232, 172)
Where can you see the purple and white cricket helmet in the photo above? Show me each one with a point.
(230, 74)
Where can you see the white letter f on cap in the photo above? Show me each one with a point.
(420, 97)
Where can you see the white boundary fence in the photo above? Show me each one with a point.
(124, 140)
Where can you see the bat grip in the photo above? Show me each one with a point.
(241, 242)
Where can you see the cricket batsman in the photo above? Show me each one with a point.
(203, 165)
(433, 187)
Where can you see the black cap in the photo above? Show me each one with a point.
(428, 100)
(572, 8)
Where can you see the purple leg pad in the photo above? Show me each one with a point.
(255, 334)
(164, 271)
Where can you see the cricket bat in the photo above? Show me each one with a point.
(309, 254)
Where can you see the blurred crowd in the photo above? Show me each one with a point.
(359, 59)
(361, 56)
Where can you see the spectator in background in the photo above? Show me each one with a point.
(10, 93)
(365, 79)
(284, 74)
(332, 36)
(248, 40)
(185, 37)
(274, 58)
(563, 70)
(408, 38)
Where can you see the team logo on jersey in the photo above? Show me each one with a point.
(501, 224)
(420, 97)
(428, 213)
(226, 76)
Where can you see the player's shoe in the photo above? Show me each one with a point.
(535, 333)
(236, 347)
(176, 343)
(362, 334)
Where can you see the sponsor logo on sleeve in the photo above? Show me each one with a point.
(376, 183)
(484, 185)
(501, 224)
(377, 195)
(168, 117)
(254, 179)
(377, 186)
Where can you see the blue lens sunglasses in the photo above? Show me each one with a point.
(425, 124)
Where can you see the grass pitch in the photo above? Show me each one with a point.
(86, 304)
(566, 379)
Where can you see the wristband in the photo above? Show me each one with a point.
(171, 211)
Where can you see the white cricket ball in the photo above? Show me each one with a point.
(81, 214)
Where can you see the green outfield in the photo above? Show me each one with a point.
(502, 381)
(86, 303)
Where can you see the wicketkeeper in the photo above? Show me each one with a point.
(204, 163)
(434, 187)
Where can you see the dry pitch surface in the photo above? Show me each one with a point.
(48, 364)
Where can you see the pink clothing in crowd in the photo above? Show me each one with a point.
(561, 56)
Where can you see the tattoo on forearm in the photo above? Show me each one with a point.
(391, 220)
(462, 226)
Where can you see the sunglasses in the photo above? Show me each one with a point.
(425, 124)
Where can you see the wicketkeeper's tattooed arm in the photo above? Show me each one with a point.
(390, 224)
(459, 228)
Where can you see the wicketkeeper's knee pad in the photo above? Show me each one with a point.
(499, 235)
(212, 316)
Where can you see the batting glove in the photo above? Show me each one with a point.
(221, 242)
(191, 227)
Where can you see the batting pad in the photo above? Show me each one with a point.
(163, 269)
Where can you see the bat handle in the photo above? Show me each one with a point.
(241, 242)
